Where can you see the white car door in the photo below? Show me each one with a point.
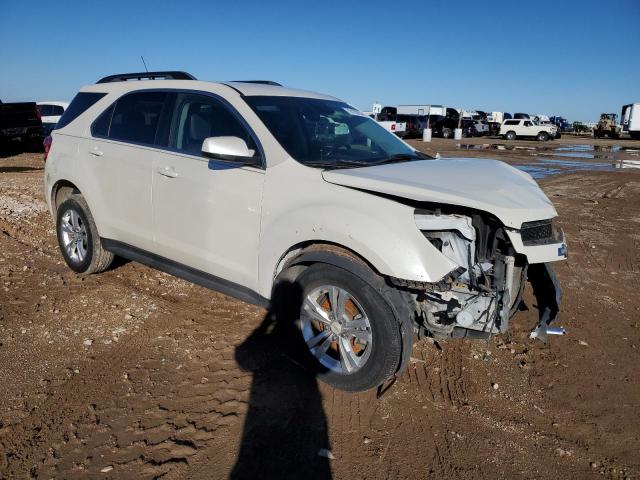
(120, 163)
(206, 213)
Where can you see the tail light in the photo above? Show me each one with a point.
(393, 126)
(39, 112)
(48, 140)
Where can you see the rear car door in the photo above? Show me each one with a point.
(206, 213)
(121, 153)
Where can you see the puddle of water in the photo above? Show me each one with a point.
(568, 154)
(574, 164)
(539, 171)
(549, 166)
(575, 148)
(627, 164)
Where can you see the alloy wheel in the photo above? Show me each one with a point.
(336, 329)
(73, 232)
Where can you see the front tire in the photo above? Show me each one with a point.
(447, 133)
(78, 237)
(543, 136)
(351, 332)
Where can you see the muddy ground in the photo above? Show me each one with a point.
(135, 374)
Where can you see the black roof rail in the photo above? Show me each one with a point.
(123, 77)
(263, 82)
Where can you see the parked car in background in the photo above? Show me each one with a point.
(495, 120)
(469, 128)
(387, 119)
(20, 124)
(354, 239)
(439, 126)
(526, 128)
(630, 120)
(521, 115)
(50, 112)
(563, 125)
(414, 125)
(482, 127)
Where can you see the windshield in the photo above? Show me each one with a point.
(328, 134)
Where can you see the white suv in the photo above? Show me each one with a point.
(512, 129)
(296, 200)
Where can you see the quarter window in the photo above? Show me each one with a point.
(100, 127)
(197, 117)
(80, 103)
(136, 117)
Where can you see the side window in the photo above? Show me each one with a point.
(136, 116)
(80, 103)
(56, 110)
(511, 122)
(528, 124)
(45, 110)
(197, 117)
(100, 128)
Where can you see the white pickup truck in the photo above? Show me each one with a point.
(393, 126)
(389, 125)
(525, 127)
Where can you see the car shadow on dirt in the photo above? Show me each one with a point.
(285, 431)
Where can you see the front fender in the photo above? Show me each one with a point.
(380, 230)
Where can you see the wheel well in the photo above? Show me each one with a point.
(60, 192)
(314, 246)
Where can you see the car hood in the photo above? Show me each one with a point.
(488, 185)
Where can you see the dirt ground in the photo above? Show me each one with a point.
(135, 374)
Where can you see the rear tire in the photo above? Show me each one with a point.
(78, 237)
(362, 345)
(511, 135)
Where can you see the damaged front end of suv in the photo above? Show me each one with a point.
(478, 297)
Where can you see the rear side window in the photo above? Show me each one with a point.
(50, 110)
(511, 122)
(45, 110)
(100, 127)
(136, 117)
(80, 103)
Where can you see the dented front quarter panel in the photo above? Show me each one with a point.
(309, 209)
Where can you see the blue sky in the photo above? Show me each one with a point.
(575, 59)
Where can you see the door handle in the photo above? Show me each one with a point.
(94, 151)
(167, 172)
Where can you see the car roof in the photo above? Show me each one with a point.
(247, 89)
(53, 102)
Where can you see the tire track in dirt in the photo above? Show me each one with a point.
(155, 425)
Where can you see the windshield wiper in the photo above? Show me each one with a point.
(337, 164)
(402, 157)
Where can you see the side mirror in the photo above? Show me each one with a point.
(230, 149)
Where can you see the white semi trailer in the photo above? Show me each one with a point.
(630, 119)
(425, 110)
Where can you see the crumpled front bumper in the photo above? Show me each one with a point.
(548, 296)
(550, 252)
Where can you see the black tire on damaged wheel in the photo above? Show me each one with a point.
(95, 259)
(386, 339)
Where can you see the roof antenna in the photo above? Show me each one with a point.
(145, 64)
